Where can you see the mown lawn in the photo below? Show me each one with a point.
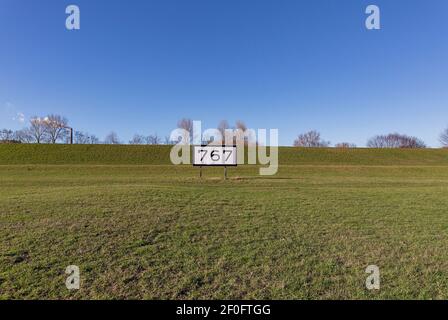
(160, 232)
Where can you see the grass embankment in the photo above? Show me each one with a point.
(157, 155)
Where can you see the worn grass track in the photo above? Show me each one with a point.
(157, 231)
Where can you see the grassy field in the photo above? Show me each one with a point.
(140, 228)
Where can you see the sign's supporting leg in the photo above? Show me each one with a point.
(200, 172)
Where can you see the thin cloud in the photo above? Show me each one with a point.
(12, 113)
(20, 117)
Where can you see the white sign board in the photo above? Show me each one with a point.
(214, 156)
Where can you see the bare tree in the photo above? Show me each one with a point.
(153, 139)
(24, 136)
(38, 129)
(112, 138)
(444, 138)
(310, 139)
(85, 138)
(168, 141)
(94, 139)
(187, 125)
(240, 125)
(395, 140)
(80, 138)
(222, 127)
(138, 139)
(345, 145)
(56, 127)
(6, 135)
(247, 135)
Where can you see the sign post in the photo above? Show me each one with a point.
(215, 156)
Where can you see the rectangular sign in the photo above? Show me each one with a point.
(214, 156)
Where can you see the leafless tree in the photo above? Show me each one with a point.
(85, 138)
(444, 138)
(24, 136)
(311, 139)
(153, 139)
(138, 139)
(222, 127)
(248, 137)
(395, 140)
(168, 141)
(38, 129)
(345, 145)
(80, 138)
(186, 124)
(241, 125)
(112, 138)
(94, 139)
(56, 127)
(6, 135)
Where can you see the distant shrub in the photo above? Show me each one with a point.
(345, 145)
(444, 138)
(395, 140)
(310, 139)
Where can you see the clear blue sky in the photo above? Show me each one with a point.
(139, 66)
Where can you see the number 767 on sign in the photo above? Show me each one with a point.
(215, 156)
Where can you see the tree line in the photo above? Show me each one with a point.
(313, 139)
(49, 129)
(55, 129)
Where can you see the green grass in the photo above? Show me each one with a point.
(140, 230)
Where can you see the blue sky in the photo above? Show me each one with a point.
(138, 66)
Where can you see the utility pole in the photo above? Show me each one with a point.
(71, 134)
